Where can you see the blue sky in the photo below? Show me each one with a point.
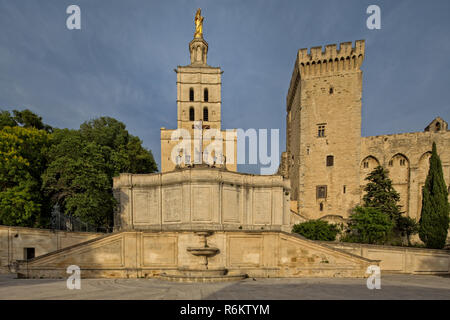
(121, 62)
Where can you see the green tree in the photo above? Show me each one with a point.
(369, 225)
(407, 227)
(76, 178)
(28, 119)
(24, 118)
(434, 219)
(317, 230)
(6, 120)
(22, 161)
(122, 151)
(381, 194)
(83, 163)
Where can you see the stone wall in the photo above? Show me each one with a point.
(132, 254)
(324, 147)
(401, 259)
(14, 240)
(202, 198)
(406, 156)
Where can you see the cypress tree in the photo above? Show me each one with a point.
(434, 219)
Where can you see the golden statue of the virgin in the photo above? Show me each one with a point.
(198, 24)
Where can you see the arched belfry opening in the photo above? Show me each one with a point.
(205, 95)
(191, 114)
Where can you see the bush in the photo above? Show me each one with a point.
(369, 225)
(317, 230)
(407, 227)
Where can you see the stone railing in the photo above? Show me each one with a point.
(400, 259)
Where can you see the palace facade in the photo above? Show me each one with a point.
(326, 158)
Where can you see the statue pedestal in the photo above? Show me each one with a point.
(198, 48)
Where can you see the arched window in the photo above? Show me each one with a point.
(205, 114)
(438, 126)
(191, 114)
(191, 94)
(321, 206)
(205, 95)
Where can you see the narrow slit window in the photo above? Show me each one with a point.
(205, 114)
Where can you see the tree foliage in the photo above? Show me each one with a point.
(317, 230)
(24, 118)
(369, 225)
(41, 166)
(407, 227)
(381, 194)
(434, 220)
(83, 163)
(22, 161)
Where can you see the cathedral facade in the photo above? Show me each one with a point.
(326, 159)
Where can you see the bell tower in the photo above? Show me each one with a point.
(199, 85)
(198, 97)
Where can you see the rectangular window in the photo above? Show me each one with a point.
(330, 161)
(321, 192)
(28, 253)
(321, 130)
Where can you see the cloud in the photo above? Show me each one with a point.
(121, 63)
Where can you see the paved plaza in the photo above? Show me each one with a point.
(392, 287)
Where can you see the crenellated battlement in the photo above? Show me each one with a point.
(319, 62)
(331, 61)
(345, 50)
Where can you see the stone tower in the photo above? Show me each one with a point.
(199, 89)
(198, 103)
(324, 129)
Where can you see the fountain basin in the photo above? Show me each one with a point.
(203, 251)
